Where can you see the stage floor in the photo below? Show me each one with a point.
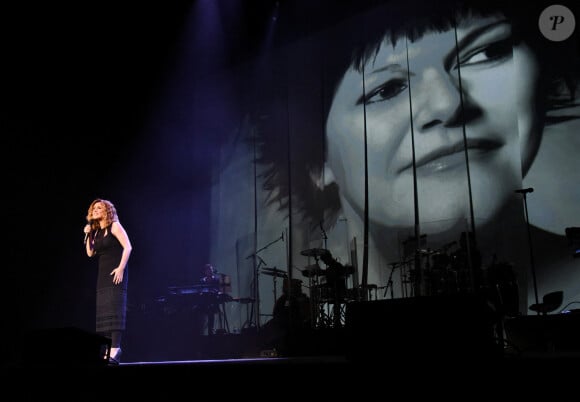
(415, 359)
(308, 378)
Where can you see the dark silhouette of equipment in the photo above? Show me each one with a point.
(532, 265)
(550, 302)
(573, 236)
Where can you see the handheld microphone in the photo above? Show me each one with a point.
(525, 190)
(87, 234)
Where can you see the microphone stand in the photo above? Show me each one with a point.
(257, 275)
(523, 192)
(390, 281)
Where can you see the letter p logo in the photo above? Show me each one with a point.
(557, 23)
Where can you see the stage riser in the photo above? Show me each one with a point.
(450, 326)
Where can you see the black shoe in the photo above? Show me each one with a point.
(117, 359)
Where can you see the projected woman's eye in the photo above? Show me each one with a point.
(495, 52)
(388, 90)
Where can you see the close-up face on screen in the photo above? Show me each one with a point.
(437, 129)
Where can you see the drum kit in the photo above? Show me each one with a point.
(332, 277)
(443, 270)
(328, 286)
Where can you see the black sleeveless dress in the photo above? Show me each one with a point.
(111, 299)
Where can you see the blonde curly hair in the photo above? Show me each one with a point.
(110, 211)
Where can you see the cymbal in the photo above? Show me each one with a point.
(277, 275)
(427, 251)
(274, 272)
(243, 300)
(273, 269)
(314, 252)
(398, 264)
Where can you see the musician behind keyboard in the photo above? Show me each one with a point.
(211, 279)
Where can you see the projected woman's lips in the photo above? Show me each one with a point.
(453, 156)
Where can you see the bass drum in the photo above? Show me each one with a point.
(441, 281)
(359, 293)
(320, 293)
(328, 294)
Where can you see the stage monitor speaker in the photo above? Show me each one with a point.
(67, 346)
(460, 326)
(551, 333)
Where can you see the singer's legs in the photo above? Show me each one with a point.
(115, 337)
(116, 344)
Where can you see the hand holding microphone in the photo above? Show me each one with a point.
(87, 230)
